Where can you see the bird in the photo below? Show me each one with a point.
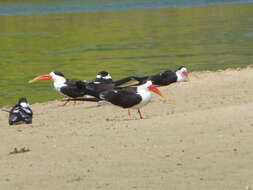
(104, 81)
(61, 84)
(21, 113)
(103, 77)
(130, 97)
(166, 77)
(71, 87)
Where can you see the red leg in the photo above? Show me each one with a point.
(64, 104)
(129, 114)
(139, 111)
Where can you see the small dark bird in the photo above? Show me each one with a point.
(166, 77)
(21, 113)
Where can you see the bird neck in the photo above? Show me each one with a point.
(180, 76)
(59, 83)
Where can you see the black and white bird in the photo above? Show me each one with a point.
(166, 77)
(104, 81)
(62, 85)
(71, 87)
(103, 77)
(21, 113)
(127, 97)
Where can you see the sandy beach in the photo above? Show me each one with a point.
(199, 137)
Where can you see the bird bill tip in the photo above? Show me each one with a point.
(41, 77)
(161, 94)
(156, 90)
(33, 80)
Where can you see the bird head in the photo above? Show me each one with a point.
(148, 85)
(182, 74)
(23, 102)
(104, 75)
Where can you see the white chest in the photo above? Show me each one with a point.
(59, 84)
(146, 97)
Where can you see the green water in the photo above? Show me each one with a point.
(122, 42)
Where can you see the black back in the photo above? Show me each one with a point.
(73, 88)
(162, 79)
(100, 87)
(79, 88)
(125, 97)
(105, 84)
(19, 115)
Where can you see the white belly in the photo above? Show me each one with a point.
(146, 97)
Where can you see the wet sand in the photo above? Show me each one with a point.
(198, 137)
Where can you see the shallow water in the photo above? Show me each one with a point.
(15, 7)
(124, 43)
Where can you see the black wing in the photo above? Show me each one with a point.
(164, 78)
(122, 81)
(28, 111)
(72, 92)
(102, 80)
(100, 87)
(72, 83)
(123, 98)
(74, 88)
(19, 114)
(141, 80)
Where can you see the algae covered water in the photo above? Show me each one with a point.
(143, 37)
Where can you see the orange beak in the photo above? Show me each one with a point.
(155, 90)
(41, 77)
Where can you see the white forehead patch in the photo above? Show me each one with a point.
(24, 104)
(52, 74)
(183, 69)
(104, 77)
(107, 77)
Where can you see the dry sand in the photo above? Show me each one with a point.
(198, 138)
